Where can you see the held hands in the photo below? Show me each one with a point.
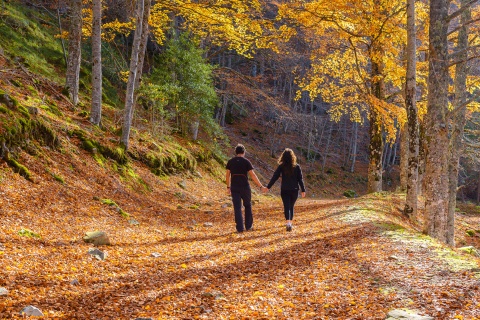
(264, 189)
(303, 194)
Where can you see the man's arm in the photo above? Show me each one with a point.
(227, 179)
(255, 178)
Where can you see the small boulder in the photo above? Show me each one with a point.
(133, 222)
(74, 282)
(208, 224)
(100, 255)
(3, 291)
(98, 238)
(156, 255)
(31, 311)
(182, 184)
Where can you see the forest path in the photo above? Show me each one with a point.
(344, 259)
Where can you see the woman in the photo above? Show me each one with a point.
(292, 178)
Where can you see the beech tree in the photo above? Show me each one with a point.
(354, 66)
(74, 50)
(412, 131)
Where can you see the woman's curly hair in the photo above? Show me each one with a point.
(288, 161)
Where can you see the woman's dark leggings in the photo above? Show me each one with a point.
(289, 197)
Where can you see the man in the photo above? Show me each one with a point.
(238, 169)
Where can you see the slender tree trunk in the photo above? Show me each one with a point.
(422, 156)
(96, 112)
(143, 44)
(375, 148)
(354, 148)
(129, 98)
(60, 29)
(74, 50)
(327, 146)
(410, 208)
(436, 178)
(457, 123)
(403, 157)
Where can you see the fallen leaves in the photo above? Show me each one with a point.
(330, 266)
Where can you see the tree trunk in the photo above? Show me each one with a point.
(143, 44)
(60, 31)
(354, 148)
(457, 123)
(410, 209)
(436, 179)
(96, 112)
(375, 148)
(129, 98)
(74, 50)
(403, 157)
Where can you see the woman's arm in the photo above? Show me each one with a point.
(275, 177)
(300, 179)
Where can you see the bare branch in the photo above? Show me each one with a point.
(460, 11)
(456, 54)
(463, 25)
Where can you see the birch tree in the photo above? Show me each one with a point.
(96, 111)
(134, 72)
(74, 50)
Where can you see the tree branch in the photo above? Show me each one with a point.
(460, 11)
(463, 25)
(456, 54)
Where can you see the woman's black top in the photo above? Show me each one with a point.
(289, 181)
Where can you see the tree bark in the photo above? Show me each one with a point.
(143, 43)
(96, 111)
(129, 99)
(403, 157)
(74, 50)
(375, 148)
(436, 179)
(354, 147)
(410, 208)
(457, 122)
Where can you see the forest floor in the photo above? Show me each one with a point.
(344, 259)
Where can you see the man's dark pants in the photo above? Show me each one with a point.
(237, 197)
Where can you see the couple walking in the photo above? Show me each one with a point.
(238, 170)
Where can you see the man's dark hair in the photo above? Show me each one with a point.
(239, 149)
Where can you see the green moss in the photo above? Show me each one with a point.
(83, 114)
(32, 90)
(470, 233)
(58, 178)
(109, 202)
(123, 213)
(112, 203)
(350, 194)
(19, 168)
(16, 83)
(24, 111)
(28, 233)
(89, 145)
(5, 110)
